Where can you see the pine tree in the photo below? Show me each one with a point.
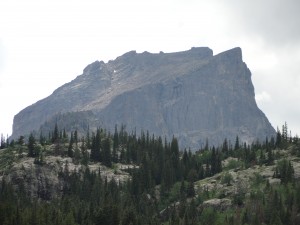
(21, 140)
(201, 172)
(76, 137)
(65, 136)
(278, 138)
(84, 153)
(42, 139)
(213, 161)
(206, 145)
(3, 142)
(237, 143)
(272, 142)
(207, 172)
(290, 172)
(31, 146)
(270, 157)
(115, 145)
(70, 148)
(262, 157)
(225, 148)
(88, 141)
(168, 176)
(55, 136)
(190, 191)
(175, 148)
(175, 158)
(96, 147)
(285, 132)
(182, 190)
(106, 152)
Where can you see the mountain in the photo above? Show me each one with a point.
(194, 95)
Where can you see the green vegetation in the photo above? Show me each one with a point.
(164, 184)
(227, 179)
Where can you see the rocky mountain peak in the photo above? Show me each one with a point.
(234, 53)
(192, 94)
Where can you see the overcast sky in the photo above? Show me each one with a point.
(46, 43)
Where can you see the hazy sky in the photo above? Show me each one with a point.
(46, 43)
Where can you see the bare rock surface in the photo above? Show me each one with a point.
(218, 204)
(193, 95)
(46, 181)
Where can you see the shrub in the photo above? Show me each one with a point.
(226, 179)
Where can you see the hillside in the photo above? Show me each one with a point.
(194, 95)
(122, 178)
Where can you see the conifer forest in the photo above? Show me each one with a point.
(165, 184)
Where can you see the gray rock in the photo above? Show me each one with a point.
(46, 181)
(218, 204)
(36, 181)
(274, 181)
(192, 95)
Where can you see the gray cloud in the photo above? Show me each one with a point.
(276, 21)
(270, 28)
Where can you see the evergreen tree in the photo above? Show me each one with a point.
(84, 152)
(237, 143)
(190, 191)
(3, 142)
(175, 148)
(70, 148)
(106, 152)
(225, 148)
(206, 145)
(182, 190)
(270, 156)
(278, 138)
(31, 146)
(65, 136)
(129, 217)
(167, 176)
(215, 162)
(96, 146)
(207, 172)
(219, 163)
(285, 171)
(76, 137)
(88, 141)
(285, 132)
(115, 145)
(262, 157)
(55, 136)
(42, 139)
(175, 158)
(21, 140)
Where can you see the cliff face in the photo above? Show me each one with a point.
(192, 95)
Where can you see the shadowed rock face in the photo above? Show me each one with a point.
(192, 95)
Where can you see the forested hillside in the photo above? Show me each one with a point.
(130, 178)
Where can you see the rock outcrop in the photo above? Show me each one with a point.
(218, 204)
(193, 95)
(47, 181)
